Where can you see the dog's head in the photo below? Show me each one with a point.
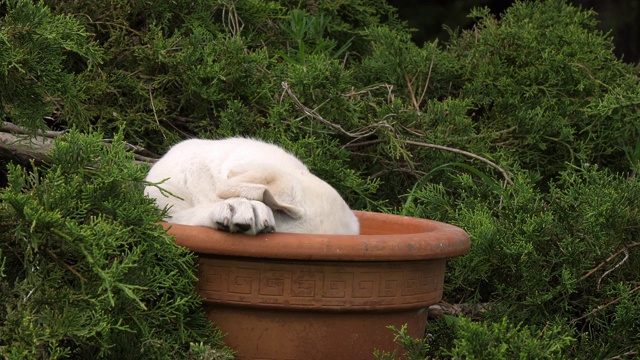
(301, 202)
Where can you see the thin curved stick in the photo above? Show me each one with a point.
(466, 153)
(623, 250)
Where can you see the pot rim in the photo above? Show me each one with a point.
(384, 237)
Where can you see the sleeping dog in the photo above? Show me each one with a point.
(247, 186)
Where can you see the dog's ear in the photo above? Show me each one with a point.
(273, 187)
(272, 201)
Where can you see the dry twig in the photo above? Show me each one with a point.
(624, 250)
(466, 309)
(352, 94)
(466, 153)
(370, 130)
(602, 307)
(69, 267)
(416, 102)
(366, 131)
(155, 114)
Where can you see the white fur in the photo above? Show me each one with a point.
(244, 185)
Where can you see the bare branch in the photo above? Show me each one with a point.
(411, 92)
(466, 153)
(69, 267)
(23, 145)
(602, 307)
(12, 128)
(155, 114)
(352, 94)
(24, 148)
(138, 150)
(609, 259)
(473, 310)
(625, 355)
(370, 130)
(426, 85)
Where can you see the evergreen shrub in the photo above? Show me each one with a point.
(522, 130)
(88, 272)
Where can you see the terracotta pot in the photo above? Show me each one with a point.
(303, 296)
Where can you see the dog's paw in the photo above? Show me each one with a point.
(239, 215)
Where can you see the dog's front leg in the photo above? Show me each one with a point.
(233, 215)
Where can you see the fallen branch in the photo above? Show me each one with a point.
(24, 148)
(13, 128)
(466, 309)
(20, 144)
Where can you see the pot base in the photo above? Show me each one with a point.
(266, 334)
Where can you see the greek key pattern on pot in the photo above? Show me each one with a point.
(403, 284)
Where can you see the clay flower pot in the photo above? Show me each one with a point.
(303, 296)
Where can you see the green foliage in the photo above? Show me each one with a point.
(41, 55)
(305, 29)
(544, 71)
(537, 257)
(415, 349)
(502, 340)
(490, 340)
(202, 351)
(522, 130)
(88, 272)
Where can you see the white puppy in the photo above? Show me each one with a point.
(244, 185)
